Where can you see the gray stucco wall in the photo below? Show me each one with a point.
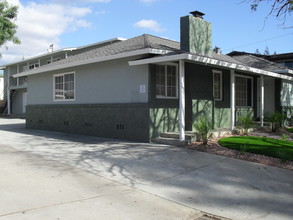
(106, 82)
(118, 121)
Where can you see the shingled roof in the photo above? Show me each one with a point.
(259, 63)
(164, 46)
(136, 43)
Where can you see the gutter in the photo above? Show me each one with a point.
(210, 61)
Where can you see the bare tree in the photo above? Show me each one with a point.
(279, 8)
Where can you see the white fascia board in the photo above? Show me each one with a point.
(207, 60)
(69, 49)
(90, 61)
(158, 59)
(284, 71)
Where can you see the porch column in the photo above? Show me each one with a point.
(262, 100)
(232, 101)
(8, 102)
(8, 92)
(182, 99)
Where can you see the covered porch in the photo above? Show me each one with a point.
(230, 75)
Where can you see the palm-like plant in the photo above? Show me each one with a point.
(203, 127)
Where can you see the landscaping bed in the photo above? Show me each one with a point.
(215, 148)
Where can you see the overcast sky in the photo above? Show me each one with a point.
(68, 23)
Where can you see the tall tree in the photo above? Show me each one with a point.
(267, 51)
(8, 14)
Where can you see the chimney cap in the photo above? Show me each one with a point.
(197, 14)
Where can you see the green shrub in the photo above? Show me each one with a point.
(284, 137)
(203, 127)
(276, 120)
(246, 123)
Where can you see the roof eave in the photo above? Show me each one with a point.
(210, 61)
(94, 60)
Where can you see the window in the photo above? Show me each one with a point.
(33, 66)
(166, 81)
(64, 86)
(53, 60)
(243, 91)
(217, 85)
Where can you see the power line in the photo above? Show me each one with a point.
(257, 42)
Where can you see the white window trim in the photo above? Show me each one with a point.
(221, 84)
(62, 74)
(168, 97)
(249, 77)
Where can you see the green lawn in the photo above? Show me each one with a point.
(260, 145)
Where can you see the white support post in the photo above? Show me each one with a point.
(182, 99)
(8, 93)
(262, 100)
(8, 102)
(232, 101)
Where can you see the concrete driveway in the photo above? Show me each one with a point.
(176, 180)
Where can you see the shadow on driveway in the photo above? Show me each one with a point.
(215, 184)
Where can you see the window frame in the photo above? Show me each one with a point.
(166, 81)
(221, 85)
(54, 86)
(246, 77)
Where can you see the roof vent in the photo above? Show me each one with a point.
(197, 14)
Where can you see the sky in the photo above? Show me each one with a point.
(72, 23)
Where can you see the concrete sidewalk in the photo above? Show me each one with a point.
(213, 184)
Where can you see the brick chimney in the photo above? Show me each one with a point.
(195, 34)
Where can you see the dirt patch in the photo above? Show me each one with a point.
(214, 148)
